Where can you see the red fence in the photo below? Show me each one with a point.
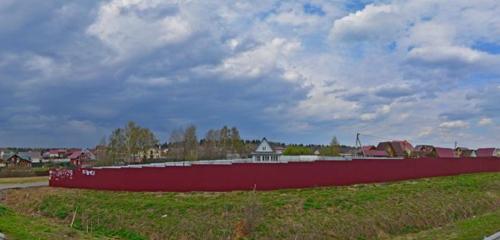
(267, 176)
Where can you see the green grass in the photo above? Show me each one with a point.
(15, 180)
(474, 228)
(422, 209)
(17, 226)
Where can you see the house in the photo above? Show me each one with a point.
(424, 151)
(18, 160)
(316, 152)
(444, 152)
(80, 158)
(55, 153)
(3, 163)
(151, 153)
(396, 148)
(488, 152)
(265, 152)
(372, 151)
(35, 156)
(464, 152)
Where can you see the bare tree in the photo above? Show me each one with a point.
(176, 144)
(130, 143)
(190, 144)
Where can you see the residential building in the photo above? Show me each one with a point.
(488, 152)
(82, 158)
(265, 152)
(444, 152)
(372, 151)
(424, 151)
(35, 156)
(18, 160)
(464, 152)
(396, 148)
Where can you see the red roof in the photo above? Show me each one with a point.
(56, 151)
(376, 153)
(485, 152)
(444, 152)
(368, 148)
(75, 155)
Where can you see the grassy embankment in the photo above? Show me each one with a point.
(461, 207)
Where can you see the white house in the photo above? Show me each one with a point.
(265, 152)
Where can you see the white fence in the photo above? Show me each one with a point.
(281, 159)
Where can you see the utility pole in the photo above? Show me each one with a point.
(358, 144)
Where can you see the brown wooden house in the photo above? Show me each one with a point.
(18, 160)
(396, 148)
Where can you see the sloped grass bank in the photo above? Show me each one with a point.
(372, 211)
(476, 227)
(17, 226)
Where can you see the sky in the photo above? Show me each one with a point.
(293, 71)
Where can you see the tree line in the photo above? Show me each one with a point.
(132, 142)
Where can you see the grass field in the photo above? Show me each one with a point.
(23, 180)
(460, 207)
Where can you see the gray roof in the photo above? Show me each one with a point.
(21, 155)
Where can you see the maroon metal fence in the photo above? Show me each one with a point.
(267, 176)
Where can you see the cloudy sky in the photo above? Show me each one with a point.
(293, 71)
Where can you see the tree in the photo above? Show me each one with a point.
(297, 150)
(333, 149)
(236, 143)
(335, 146)
(130, 143)
(190, 144)
(116, 148)
(176, 144)
(210, 144)
(225, 140)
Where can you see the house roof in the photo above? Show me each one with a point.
(32, 154)
(376, 153)
(485, 152)
(264, 147)
(56, 151)
(75, 154)
(444, 152)
(400, 147)
(368, 148)
(20, 155)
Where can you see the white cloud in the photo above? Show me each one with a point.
(137, 27)
(150, 81)
(454, 124)
(446, 55)
(259, 61)
(373, 22)
(382, 110)
(485, 121)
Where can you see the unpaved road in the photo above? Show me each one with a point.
(23, 185)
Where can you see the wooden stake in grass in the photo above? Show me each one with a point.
(73, 219)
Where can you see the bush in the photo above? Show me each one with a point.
(297, 150)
